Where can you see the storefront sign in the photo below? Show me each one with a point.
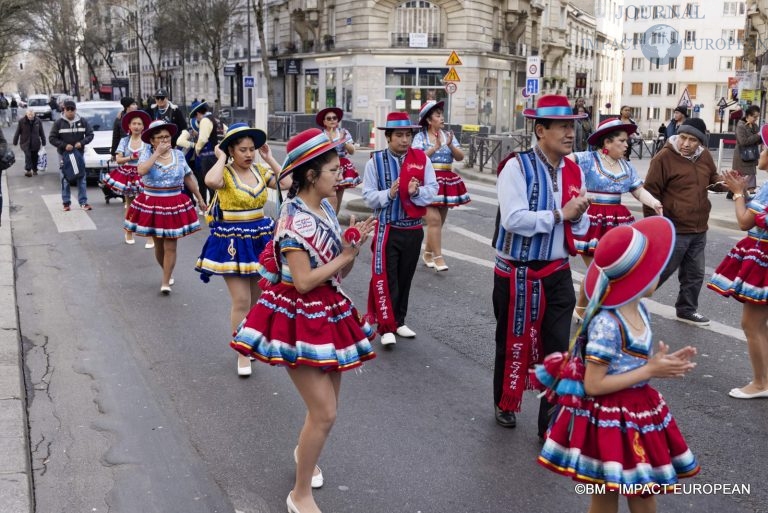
(314, 72)
(293, 67)
(401, 71)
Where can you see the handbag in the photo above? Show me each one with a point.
(42, 161)
(74, 166)
(749, 153)
(213, 213)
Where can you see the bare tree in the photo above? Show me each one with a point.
(13, 20)
(258, 11)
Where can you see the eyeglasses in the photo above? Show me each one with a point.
(337, 172)
(159, 97)
(331, 118)
(162, 137)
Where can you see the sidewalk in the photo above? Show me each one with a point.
(15, 475)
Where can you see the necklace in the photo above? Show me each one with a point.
(609, 160)
(638, 329)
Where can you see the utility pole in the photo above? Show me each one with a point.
(251, 113)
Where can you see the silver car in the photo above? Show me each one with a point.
(100, 115)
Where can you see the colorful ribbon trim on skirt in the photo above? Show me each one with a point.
(161, 191)
(524, 349)
(439, 166)
(234, 216)
(604, 198)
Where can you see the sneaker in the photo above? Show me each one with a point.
(693, 318)
(67, 208)
(86, 206)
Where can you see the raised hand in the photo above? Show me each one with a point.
(219, 153)
(676, 365)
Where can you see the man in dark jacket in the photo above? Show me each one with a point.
(32, 137)
(679, 176)
(678, 116)
(167, 111)
(71, 133)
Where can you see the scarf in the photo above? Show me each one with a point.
(527, 304)
(412, 167)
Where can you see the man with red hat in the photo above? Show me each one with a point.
(541, 205)
(399, 183)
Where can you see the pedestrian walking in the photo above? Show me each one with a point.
(443, 149)
(210, 131)
(541, 205)
(164, 109)
(398, 184)
(625, 115)
(747, 150)
(303, 319)
(679, 115)
(125, 180)
(14, 110)
(161, 210)
(70, 134)
(31, 136)
(612, 427)
(239, 228)
(743, 275)
(584, 129)
(5, 118)
(607, 176)
(330, 121)
(680, 175)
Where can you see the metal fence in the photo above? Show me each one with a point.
(489, 150)
(281, 126)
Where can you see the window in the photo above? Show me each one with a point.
(692, 91)
(671, 89)
(721, 91)
(690, 36)
(655, 64)
(673, 63)
(654, 88)
(637, 88)
(738, 66)
(417, 16)
(691, 10)
(637, 63)
(729, 35)
(734, 8)
(726, 64)
(653, 113)
(668, 113)
(688, 63)
(636, 113)
(638, 38)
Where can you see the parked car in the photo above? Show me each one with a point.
(100, 115)
(38, 103)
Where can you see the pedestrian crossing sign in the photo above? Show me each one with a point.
(451, 76)
(453, 60)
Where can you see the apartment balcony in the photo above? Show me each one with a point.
(554, 44)
(402, 40)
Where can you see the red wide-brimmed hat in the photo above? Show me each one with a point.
(125, 121)
(553, 106)
(764, 134)
(305, 146)
(399, 121)
(155, 126)
(608, 126)
(628, 259)
(321, 115)
(427, 109)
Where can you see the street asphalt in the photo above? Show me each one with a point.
(15, 475)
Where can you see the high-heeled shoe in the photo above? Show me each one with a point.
(428, 259)
(129, 240)
(317, 479)
(439, 267)
(291, 506)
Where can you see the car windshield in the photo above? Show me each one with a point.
(38, 102)
(100, 118)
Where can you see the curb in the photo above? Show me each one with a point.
(15, 467)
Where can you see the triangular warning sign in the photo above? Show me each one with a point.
(685, 99)
(452, 76)
(453, 60)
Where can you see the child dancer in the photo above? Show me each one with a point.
(613, 428)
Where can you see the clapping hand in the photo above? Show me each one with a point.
(413, 186)
(735, 181)
(675, 365)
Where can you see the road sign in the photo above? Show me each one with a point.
(533, 66)
(685, 99)
(450, 88)
(722, 103)
(454, 60)
(230, 70)
(697, 109)
(451, 76)
(532, 86)
(249, 82)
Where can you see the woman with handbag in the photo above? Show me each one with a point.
(239, 228)
(747, 151)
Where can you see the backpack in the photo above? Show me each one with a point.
(217, 134)
(3, 103)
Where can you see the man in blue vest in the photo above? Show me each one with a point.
(541, 205)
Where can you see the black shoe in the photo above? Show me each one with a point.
(505, 419)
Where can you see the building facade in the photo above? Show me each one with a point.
(682, 53)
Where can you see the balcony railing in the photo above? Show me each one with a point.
(402, 40)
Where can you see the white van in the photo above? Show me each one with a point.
(38, 103)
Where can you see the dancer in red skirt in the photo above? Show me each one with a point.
(125, 180)
(743, 275)
(162, 211)
(612, 427)
(330, 121)
(303, 319)
(607, 176)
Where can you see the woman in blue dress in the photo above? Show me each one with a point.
(240, 230)
(608, 176)
(162, 211)
(443, 149)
